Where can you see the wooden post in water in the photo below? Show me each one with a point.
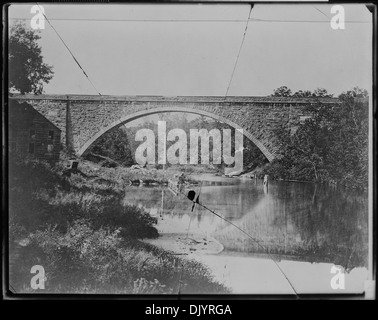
(162, 204)
(266, 183)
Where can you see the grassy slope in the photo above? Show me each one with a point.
(87, 241)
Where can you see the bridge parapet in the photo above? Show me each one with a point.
(84, 118)
(197, 99)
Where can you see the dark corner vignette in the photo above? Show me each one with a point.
(156, 186)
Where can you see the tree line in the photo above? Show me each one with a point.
(331, 145)
(120, 145)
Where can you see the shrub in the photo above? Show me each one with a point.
(86, 239)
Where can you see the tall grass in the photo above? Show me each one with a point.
(87, 239)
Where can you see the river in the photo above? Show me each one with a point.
(308, 228)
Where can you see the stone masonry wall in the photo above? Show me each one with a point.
(88, 117)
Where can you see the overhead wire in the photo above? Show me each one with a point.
(193, 20)
(69, 50)
(255, 240)
(322, 13)
(231, 79)
(187, 234)
(252, 238)
(240, 48)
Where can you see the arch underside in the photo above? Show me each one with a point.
(136, 115)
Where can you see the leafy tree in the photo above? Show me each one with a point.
(302, 94)
(356, 92)
(321, 92)
(27, 71)
(252, 156)
(305, 152)
(332, 145)
(282, 91)
(351, 138)
(114, 145)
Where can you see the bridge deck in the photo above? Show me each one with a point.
(183, 99)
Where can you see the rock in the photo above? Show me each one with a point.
(234, 173)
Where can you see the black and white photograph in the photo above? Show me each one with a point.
(174, 149)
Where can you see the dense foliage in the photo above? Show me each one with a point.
(284, 91)
(120, 145)
(113, 145)
(330, 146)
(27, 71)
(87, 239)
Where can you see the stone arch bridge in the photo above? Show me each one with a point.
(84, 118)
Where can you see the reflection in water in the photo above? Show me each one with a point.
(296, 221)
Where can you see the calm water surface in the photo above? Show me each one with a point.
(291, 220)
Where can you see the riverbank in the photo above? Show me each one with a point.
(284, 170)
(242, 274)
(78, 228)
(175, 238)
(248, 273)
(305, 227)
(137, 175)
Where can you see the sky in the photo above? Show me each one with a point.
(285, 44)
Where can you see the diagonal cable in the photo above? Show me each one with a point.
(255, 240)
(328, 18)
(241, 45)
(252, 238)
(187, 234)
(77, 62)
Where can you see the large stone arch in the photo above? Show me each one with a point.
(83, 119)
(139, 114)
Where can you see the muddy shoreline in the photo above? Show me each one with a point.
(184, 243)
